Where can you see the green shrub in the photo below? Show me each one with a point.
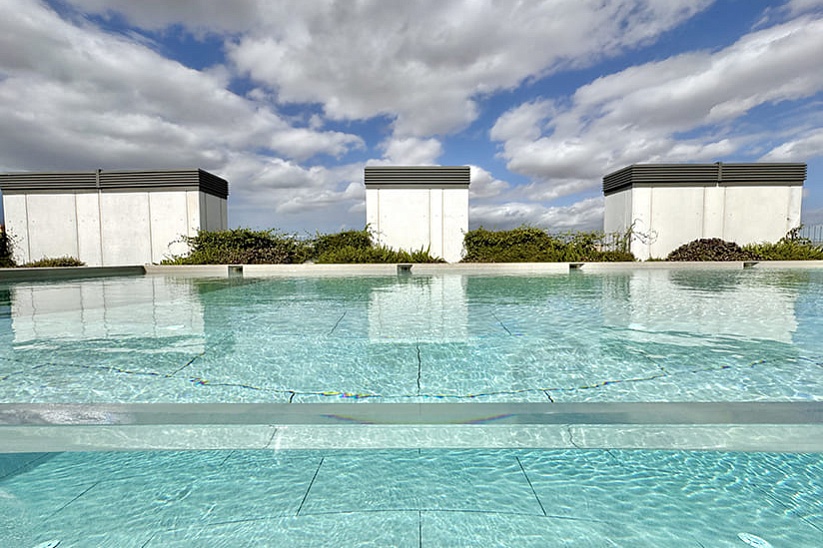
(531, 244)
(243, 246)
(326, 245)
(711, 249)
(6, 259)
(52, 262)
(375, 254)
(790, 247)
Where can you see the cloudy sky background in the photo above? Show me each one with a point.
(289, 100)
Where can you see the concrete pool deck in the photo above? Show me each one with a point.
(388, 269)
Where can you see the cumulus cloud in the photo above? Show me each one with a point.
(484, 185)
(423, 63)
(411, 151)
(79, 97)
(641, 113)
(808, 145)
(586, 214)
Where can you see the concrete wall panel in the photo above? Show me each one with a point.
(455, 222)
(214, 212)
(169, 223)
(17, 225)
(641, 219)
(89, 244)
(52, 225)
(403, 221)
(193, 212)
(126, 228)
(618, 211)
(757, 214)
(676, 218)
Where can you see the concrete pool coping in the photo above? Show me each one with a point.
(389, 269)
(714, 426)
(524, 269)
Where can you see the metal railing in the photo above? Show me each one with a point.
(813, 233)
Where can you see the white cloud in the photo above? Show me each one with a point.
(636, 115)
(586, 214)
(484, 185)
(411, 151)
(805, 147)
(797, 7)
(423, 63)
(80, 98)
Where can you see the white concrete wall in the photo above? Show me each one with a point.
(664, 218)
(112, 228)
(760, 214)
(618, 214)
(415, 218)
(14, 210)
(455, 223)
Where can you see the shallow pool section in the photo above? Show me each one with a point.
(411, 498)
(632, 335)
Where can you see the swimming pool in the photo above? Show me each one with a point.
(656, 406)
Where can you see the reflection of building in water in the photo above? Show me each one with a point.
(149, 307)
(419, 309)
(730, 303)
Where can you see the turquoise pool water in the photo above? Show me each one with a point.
(413, 498)
(653, 335)
(69, 349)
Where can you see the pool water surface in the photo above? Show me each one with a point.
(102, 380)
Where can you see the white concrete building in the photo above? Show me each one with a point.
(110, 218)
(414, 208)
(668, 205)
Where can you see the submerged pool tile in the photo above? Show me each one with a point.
(314, 366)
(357, 529)
(669, 498)
(78, 497)
(420, 480)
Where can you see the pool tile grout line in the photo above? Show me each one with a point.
(306, 495)
(420, 529)
(529, 481)
(188, 363)
(86, 490)
(419, 369)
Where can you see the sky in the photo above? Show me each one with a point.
(290, 100)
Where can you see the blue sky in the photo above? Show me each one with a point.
(289, 100)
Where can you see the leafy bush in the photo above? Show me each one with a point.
(530, 244)
(326, 245)
(376, 254)
(357, 246)
(6, 259)
(711, 249)
(790, 247)
(242, 246)
(51, 262)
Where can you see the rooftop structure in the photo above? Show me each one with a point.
(668, 205)
(110, 218)
(414, 208)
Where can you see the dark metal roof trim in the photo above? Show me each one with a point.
(115, 181)
(414, 176)
(719, 174)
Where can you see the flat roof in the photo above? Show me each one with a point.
(717, 174)
(113, 181)
(417, 176)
